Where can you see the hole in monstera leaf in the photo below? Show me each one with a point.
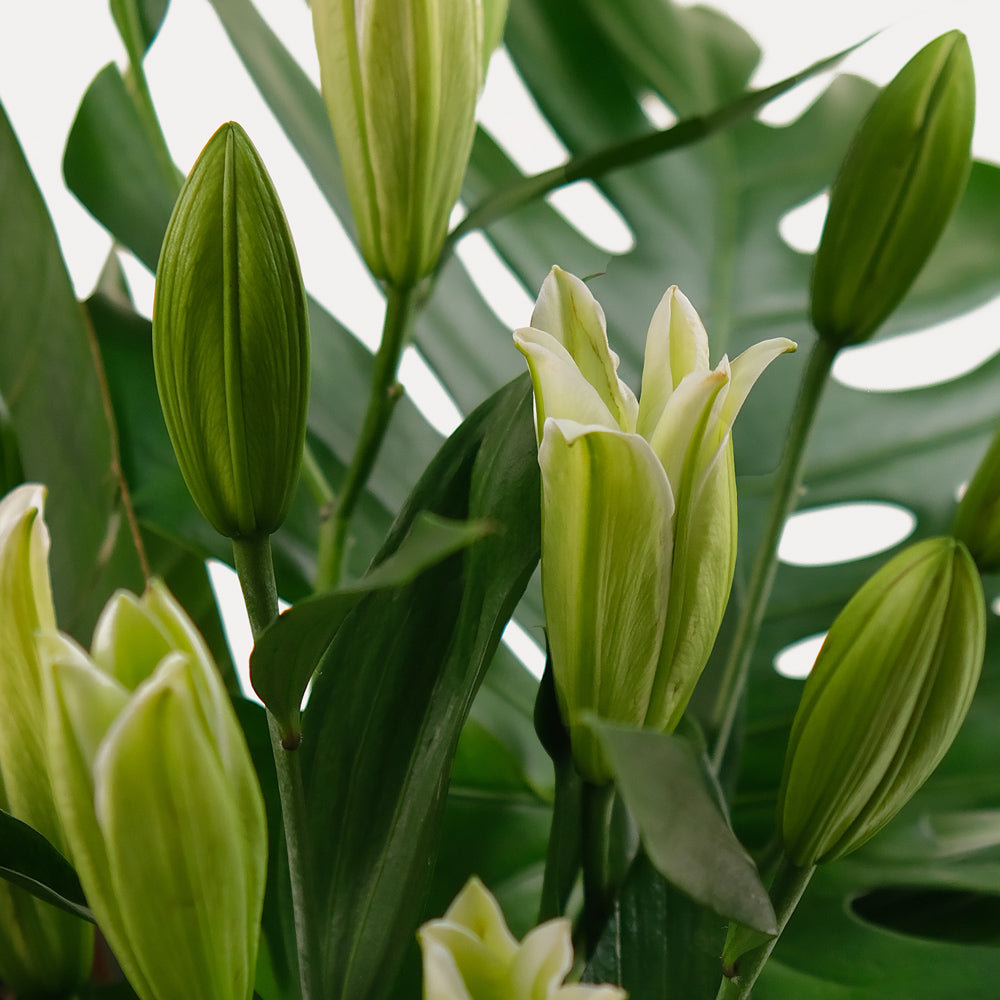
(936, 354)
(936, 914)
(802, 226)
(843, 532)
(509, 113)
(797, 659)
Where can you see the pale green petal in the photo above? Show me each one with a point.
(25, 607)
(442, 979)
(560, 389)
(678, 438)
(476, 909)
(128, 641)
(82, 702)
(14, 507)
(586, 991)
(568, 311)
(544, 958)
(606, 541)
(676, 345)
(746, 369)
(181, 883)
(701, 577)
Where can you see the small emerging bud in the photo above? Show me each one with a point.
(897, 187)
(885, 698)
(231, 340)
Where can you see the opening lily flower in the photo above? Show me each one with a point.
(469, 954)
(159, 799)
(638, 506)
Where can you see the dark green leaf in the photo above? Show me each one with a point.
(395, 687)
(658, 944)
(50, 381)
(286, 655)
(139, 20)
(115, 170)
(684, 832)
(28, 860)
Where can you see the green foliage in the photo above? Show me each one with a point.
(403, 763)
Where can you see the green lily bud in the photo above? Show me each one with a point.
(885, 698)
(43, 951)
(638, 507)
(401, 79)
(143, 737)
(471, 955)
(231, 340)
(897, 187)
(977, 520)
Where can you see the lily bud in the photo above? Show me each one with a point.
(638, 507)
(401, 79)
(885, 698)
(899, 183)
(977, 521)
(143, 737)
(471, 955)
(231, 340)
(43, 951)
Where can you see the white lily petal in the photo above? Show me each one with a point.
(676, 346)
(561, 391)
(568, 311)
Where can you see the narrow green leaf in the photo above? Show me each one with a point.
(29, 861)
(287, 654)
(684, 831)
(49, 378)
(394, 690)
(138, 20)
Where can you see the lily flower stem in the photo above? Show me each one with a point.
(255, 568)
(598, 878)
(562, 859)
(385, 392)
(786, 890)
(783, 501)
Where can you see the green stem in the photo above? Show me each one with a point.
(786, 890)
(783, 502)
(624, 154)
(256, 572)
(385, 392)
(598, 882)
(562, 858)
